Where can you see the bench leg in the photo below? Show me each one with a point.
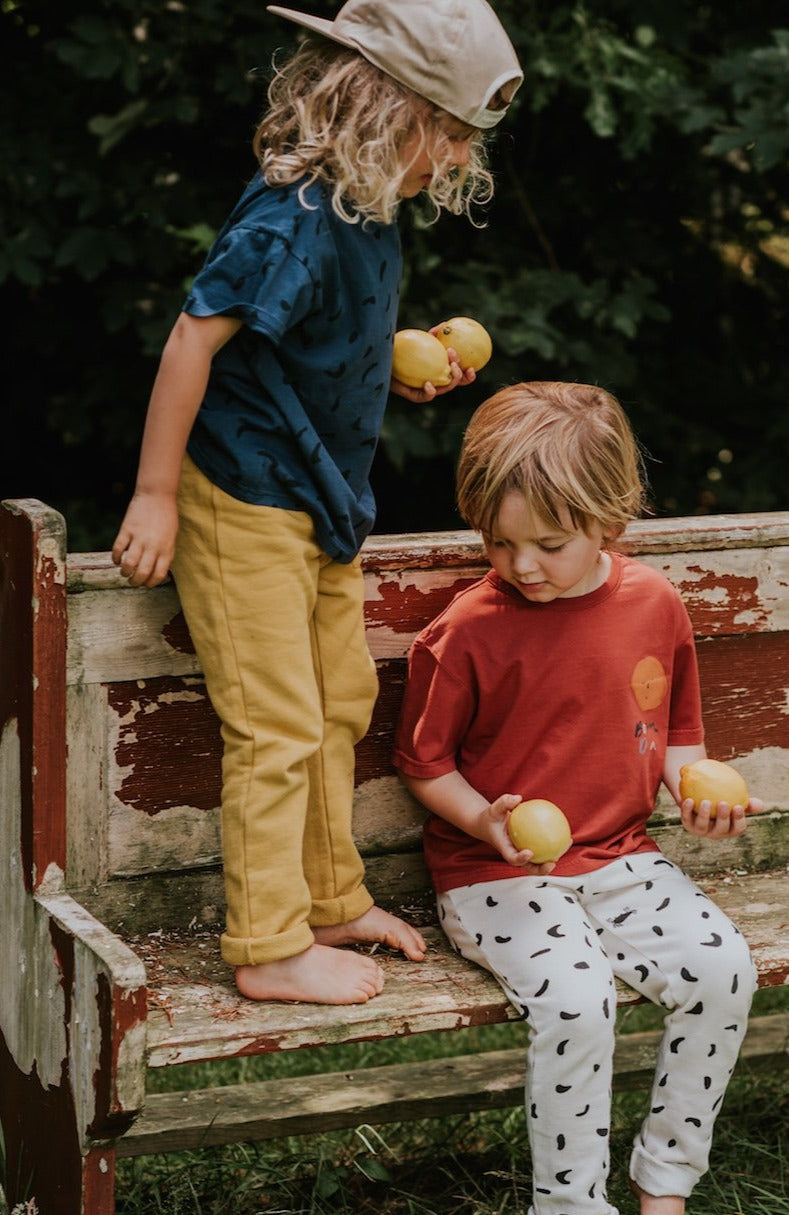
(42, 1157)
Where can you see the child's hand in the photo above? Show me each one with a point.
(496, 817)
(428, 391)
(727, 822)
(145, 544)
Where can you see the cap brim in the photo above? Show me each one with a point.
(317, 25)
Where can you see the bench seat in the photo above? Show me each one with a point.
(197, 1014)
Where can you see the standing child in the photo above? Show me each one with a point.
(273, 382)
(569, 673)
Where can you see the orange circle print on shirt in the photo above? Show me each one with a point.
(649, 683)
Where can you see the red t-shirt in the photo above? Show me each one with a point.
(574, 701)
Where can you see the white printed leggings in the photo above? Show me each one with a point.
(554, 945)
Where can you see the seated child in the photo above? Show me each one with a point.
(569, 673)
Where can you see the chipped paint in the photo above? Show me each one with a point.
(398, 605)
(36, 1042)
(157, 773)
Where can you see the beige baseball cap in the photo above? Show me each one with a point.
(454, 53)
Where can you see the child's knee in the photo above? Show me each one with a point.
(720, 972)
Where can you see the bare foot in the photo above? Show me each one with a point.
(652, 1204)
(375, 925)
(319, 975)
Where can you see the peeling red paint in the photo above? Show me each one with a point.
(738, 722)
(738, 610)
(31, 1111)
(117, 1016)
(33, 688)
(168, 746)
(374, 751)
(177, 635)
(403, 607)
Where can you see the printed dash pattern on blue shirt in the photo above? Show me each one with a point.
(295, 401)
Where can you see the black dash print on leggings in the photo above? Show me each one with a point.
(715, 940)
(491, 902)
(560, 1049)
(543, 989)
(567, 1016)
(535, 906)
(502, 940)
(687, 976)
(556, 931)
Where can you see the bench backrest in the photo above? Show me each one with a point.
(142, 777)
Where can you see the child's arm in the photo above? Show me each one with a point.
(145, 543)
(451, 797)
(729, 820)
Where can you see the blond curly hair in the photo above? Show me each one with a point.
(568, 448)
(335, 118)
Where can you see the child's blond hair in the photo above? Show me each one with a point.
(335, 118)
(568, 448)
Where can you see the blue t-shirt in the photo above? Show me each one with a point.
(295, 400)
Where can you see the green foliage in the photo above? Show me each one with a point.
(638, 238)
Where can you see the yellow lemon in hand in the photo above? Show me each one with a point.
(541, 827)
(469, 340)
(417, 357)
(710, 780)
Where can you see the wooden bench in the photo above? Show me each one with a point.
(111, 886)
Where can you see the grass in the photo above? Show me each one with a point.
(474, 1164)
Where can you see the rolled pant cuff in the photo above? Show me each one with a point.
(660, 1178)
(256, 951)
(326, 913)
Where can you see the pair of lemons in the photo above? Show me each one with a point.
(540, 826)
(420, 356)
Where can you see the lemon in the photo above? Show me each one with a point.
(418, 357)
(541, 827)
(470, 341)
(710, 780)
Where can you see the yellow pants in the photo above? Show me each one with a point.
(278, 628)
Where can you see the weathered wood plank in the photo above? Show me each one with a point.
(197, 1013)
(732, 570)
(159, 760)
(270, 1109)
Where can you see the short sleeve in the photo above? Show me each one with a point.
(437, 710)
(254, 275)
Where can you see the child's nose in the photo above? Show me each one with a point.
(524, 561)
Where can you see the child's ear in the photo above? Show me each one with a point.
(611, 535)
